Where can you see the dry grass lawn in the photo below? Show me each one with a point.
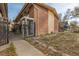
(10, 51)
(65, 42)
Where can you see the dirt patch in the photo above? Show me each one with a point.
(10, 51)
(64, 42)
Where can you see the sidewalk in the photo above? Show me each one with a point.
(23, 48)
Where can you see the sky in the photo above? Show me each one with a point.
(14, 8)
(62, 7)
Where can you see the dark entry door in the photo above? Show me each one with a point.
(28, 28)
(31, 27)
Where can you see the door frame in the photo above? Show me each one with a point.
(24, 20)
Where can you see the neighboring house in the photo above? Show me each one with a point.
(64, 26)
(61, 27)
(3, 23)
(40, 18)
(11, 26)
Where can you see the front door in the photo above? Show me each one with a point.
(31, 27)
(28, 28)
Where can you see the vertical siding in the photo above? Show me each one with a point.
(0, 16)
(0, 20)
(3, 26)
(53, 23)
(56, 24)
(36, 20)
(41, 16)
(31, 12)
(50, 22)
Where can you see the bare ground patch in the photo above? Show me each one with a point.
(10, 51)
(65, 42)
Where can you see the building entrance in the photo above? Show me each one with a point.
(28, 26)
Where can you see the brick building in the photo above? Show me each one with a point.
(43, 18)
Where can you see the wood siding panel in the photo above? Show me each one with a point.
(56, 24)
(31, 12)
(36, 20)
(41, 16)
(50, 22)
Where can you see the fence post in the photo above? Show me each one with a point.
(7, 32)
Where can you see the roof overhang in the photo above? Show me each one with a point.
(27, 5)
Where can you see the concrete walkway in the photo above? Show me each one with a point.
(23, 48)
